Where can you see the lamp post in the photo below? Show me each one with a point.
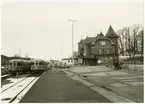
(72, 34)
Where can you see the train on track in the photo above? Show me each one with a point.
(38, 66)
(22, 66)
(19, 66)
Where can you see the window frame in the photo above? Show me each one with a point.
(103, 42)
(99, 51)
(107, 51)
(19, 64)
(41, 63)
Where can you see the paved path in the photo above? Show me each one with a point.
(125, 83)
(55, 86)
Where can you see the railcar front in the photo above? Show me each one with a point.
(19, 66)
(38, 66)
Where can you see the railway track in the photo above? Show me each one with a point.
(13, 84)
(10, 93)
(3, 77)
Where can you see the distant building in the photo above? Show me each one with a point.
(54, 62)
(99, 49)
(68, 61)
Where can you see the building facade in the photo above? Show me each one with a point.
(68, 61)
(100, 49)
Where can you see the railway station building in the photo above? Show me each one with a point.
(100, 49)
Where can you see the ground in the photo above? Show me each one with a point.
(78, 84)
(56, 86)
(126, 83)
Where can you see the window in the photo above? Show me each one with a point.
(15, 64)
(19, 64)
(36, 63)
(107, 51)
(32, 63)
(102, 42)
(41, 63)
(99, 51)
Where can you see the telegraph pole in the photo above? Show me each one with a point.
(61, 50)
(19, 54)
(72, 34)
(81, 36)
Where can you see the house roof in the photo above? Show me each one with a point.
(66, 59)
(69, 58)
(92, 40)
(37, 60)
(81, 41)
(54, 61)
(18, 60)
(111, 32)
(101, 36)
(89, 40)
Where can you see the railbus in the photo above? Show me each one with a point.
(19, 66)
(38, 66)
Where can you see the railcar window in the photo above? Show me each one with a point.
(11, 64)
(19, 64)
(15, 64)
(32, 63)
(41, 63)
(36, 63)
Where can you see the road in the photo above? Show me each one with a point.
(55, 86)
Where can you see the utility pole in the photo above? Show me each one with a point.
(134, 52)
(72, 34)
(95, 33)
(19, 53)
(81, 36)
(86, 35)
(61, 49)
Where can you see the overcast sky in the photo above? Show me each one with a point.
(37, 29)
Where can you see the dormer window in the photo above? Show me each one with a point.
(102, 42)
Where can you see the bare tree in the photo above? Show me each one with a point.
(26, 56)
(75, 54)
(16, 55)
(130, 40)
(125, 41)
(142, 34)
(121, 41)
(140, 41)
(136, 29)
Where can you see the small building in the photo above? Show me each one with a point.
(69, 61)
(54, 62)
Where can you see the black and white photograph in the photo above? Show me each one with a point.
(65, 51)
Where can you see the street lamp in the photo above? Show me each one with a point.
(72, 34)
